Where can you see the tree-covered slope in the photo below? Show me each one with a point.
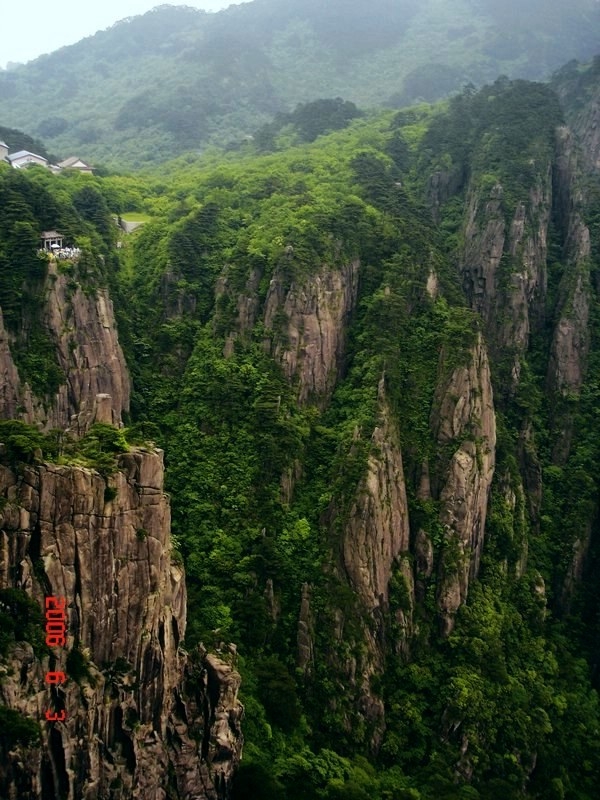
(377, 394)
(176, 78)
(372, 361)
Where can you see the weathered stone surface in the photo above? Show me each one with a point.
(88, 349)
(464, 415)
(404, 616)
(310, 322)
(247, 306)
(531, 471)
(143, 715)
(485, 234)
(567, 364)
(11, 392)
(570, 344)
(586, 125)
(377, 529)
(97, 384)
(374, 536)
(305, 632)
(504, 266)
(442, 185)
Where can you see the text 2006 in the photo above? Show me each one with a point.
(56, 636)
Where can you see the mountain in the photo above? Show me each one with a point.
(177, 79)
(92, 593)
(370, 362)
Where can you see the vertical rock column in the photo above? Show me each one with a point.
(142, 717)
(464, 419)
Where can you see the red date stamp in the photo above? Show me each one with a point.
(56, 636)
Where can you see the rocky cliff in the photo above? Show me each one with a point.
(377, 531)
(79, 321)
(571, 339)
(504, 265)
(463, 420)
(310, 322)
(143, 718)
(374, 537)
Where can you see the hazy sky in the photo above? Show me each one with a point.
(29, 28)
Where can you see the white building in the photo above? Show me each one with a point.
(51, 240)
(3, 151)
(76, 163)
(23, 158)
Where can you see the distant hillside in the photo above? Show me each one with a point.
(177, 78)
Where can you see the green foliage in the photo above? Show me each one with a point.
(204, 78)
(18, 140)
(221, 239)
(21, 621)
(15, 730)
(22, 442)
(33, 201)
(307, 122)
(263, 487)
(99, 449)
(503, 134)
(78, 667)
(110, 494)
(277, 692)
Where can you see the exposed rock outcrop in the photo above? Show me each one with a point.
(464, 418)
(374, 535)
(12, 397)
(567, 364)
(247, 305)
(142, 715)
(310, 322)
(587, 125)
(504, 266)
(305, 632)
(82, 326)
(441, 186)
(377, 529)
(570, 344)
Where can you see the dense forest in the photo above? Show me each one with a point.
(369, 348)
(177, 79)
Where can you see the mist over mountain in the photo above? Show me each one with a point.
(176, 78)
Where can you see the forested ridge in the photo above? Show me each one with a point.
(179, 79)
(369, 348)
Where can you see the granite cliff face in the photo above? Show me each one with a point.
(374, 537)
(464, 418)
(310, 322)
(571, 339)
(377, 531)
(82, 327)
(11, 393)
(144, 718)
(504, 265)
